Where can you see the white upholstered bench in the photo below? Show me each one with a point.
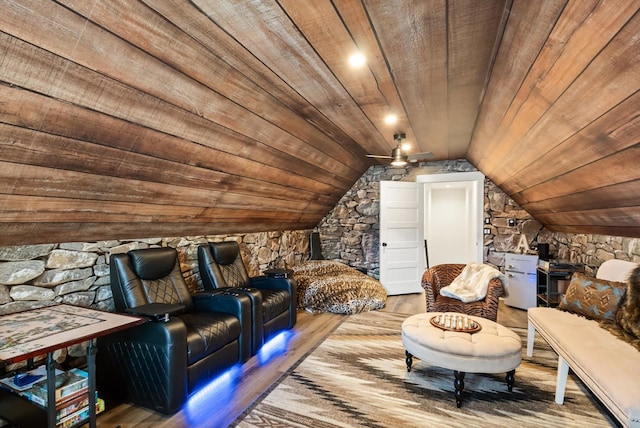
(608, 366)
(493, 349)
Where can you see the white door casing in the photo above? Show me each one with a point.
(402, 259)
(453, 217)
(455, 221)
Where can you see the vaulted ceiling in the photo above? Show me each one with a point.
(130, 119)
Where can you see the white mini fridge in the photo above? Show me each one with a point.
(520, 270)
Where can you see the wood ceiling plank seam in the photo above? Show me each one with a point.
(621, 217)
(632, 232)
(534, 77)
(24, 233)
(620, 167)
(496, 48)
(470, 45)
(41, 108)
(578, 150)
(353, 15)
(500, 140)
(603, 65)
(41, 123)
(196, 130)
(82, 53)
(32, 180)
(519, 48)
(250, 66)
(402, 27)
(612, 195)
(556, 72)
(19, 209)
(271, 113)
(289, 57)
(359, 83)
(61, 152)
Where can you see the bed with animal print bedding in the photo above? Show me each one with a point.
(330, 286)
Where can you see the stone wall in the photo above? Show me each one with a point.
(589, 250)
(350, 231)
(78, 272)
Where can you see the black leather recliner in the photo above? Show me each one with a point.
(273, 299)
(188, 340)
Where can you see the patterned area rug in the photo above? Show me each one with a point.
(358, 378)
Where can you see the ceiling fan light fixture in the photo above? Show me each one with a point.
(398, 159)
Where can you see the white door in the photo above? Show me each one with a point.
(401, 244)
(453, 213)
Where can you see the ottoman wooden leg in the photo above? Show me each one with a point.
(510, 379)
(408, 360)
(459, 386)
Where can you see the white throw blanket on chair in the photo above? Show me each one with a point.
(472, 283)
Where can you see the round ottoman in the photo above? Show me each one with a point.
(493, 349)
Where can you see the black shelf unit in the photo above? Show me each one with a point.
(19, 411)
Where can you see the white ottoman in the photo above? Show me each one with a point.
(493, 349)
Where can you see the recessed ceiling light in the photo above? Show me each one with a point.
(357, 60)
(390, 119)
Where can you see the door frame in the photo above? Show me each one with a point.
(478, 178)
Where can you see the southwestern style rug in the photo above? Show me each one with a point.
(358, 378)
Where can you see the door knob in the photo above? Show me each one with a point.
(384, 244)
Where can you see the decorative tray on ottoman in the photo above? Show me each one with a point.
(451, 322)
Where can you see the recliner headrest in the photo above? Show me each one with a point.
(225, 253)
(153, 263)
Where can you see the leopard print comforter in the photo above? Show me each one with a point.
(329, 286)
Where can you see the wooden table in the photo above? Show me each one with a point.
(25, 335)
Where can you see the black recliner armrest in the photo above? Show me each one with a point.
(266, 283)
(288, 284)
(269, 283)
(157, 311)
(233, 303)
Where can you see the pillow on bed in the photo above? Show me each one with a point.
(593, 298)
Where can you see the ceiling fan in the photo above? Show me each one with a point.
(398, 157)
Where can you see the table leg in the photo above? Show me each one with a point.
(408, 360)
(510, 379)
(51, 390)
(91, 372)
(459, 386)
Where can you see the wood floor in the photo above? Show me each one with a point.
(220, 404)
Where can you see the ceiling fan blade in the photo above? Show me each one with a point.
(420, 156)
(379, 156)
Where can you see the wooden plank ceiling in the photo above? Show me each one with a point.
(132, 119)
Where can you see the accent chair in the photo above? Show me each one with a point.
(440, 276)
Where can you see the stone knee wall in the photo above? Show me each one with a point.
(78, 272)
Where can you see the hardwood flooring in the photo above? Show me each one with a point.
(220, 405)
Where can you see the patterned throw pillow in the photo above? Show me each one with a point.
(593, 298)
